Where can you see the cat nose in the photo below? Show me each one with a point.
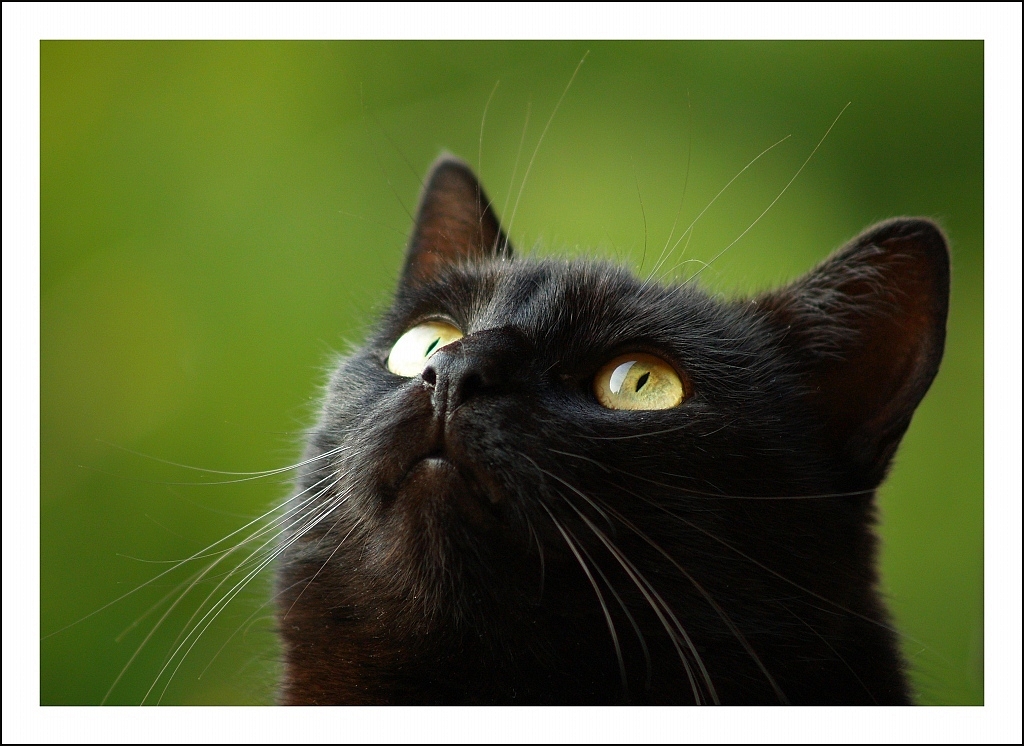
(481, 363)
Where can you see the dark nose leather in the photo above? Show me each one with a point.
(481, 364)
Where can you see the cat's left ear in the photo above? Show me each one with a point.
(454, 223)
(869, 325)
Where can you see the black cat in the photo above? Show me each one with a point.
(552, 482)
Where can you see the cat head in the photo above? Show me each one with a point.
(548, 476)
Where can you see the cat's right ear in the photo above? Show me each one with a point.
(869, 325)
(454, 223)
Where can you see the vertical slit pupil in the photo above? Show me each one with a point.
(642, 380)
(431, 348)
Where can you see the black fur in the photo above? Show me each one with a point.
(556, 551)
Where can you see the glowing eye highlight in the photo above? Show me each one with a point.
(639, 382)
(412, 350)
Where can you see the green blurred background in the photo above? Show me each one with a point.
(219, 218)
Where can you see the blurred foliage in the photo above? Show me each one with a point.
(219, 218)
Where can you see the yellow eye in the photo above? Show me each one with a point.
(639, 381)
(412, 350)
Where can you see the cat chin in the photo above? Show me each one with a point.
(435, 483)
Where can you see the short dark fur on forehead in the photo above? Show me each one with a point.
(718, 551)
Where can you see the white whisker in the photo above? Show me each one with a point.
(777, 198)
(197, 577)
(689, 228)
(540, 140)
(218, 606)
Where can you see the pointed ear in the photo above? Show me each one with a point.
(454, 223)
(869, 324)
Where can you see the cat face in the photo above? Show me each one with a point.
(551, 481)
